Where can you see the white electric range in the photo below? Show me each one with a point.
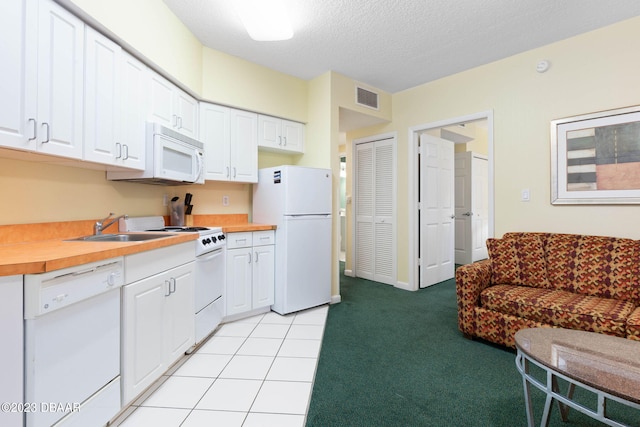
(209, 271)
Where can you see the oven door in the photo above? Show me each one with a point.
(176, 161)
(209, 285)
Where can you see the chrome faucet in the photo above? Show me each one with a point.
(99, 226)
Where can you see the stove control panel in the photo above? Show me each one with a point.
(213, 240)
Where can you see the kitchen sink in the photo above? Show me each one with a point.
(129, 237)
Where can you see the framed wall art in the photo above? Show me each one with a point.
(595, 158)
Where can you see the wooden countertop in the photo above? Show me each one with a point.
(49, 255)
(38, 248)
(247, 227)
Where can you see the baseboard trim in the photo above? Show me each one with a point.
(335, 299)
(404, 286)
(349, 273)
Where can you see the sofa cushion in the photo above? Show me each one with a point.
(518, 261)
(560, 308)
(605, 267)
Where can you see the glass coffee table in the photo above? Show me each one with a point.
(606, 366)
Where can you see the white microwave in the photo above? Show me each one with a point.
(171, 159)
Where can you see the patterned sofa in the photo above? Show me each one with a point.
(531, 280)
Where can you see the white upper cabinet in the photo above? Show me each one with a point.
(133, 111)
(231, 147)
(17, 80)
(187, 113)
(172, 107)
(115, 104)
(60, 53)
(215, 127)
(41, 78)
(280, 135)
(244, 146)
(102, 141)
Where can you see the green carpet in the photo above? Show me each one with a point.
(396, 358)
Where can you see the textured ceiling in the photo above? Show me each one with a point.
(398, 44)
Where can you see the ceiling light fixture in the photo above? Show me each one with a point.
(265, 20)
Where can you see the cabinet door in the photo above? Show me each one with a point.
(133, 111)
(179, 323)
(269, 132)
(102, 141)
(187, 113)
(214, 132)
(12, 355)
(161, 101)
(293, 136)
(263, 276)
(244, 146)
(17, 76)
(60, 81)
(239, 274)
(143, 351)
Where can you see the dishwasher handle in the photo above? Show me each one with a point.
(51, 291)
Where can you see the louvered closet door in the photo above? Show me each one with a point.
(375, 211)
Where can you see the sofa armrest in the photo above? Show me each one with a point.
(633, 325)
(471, 280)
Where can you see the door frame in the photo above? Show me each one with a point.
(413, 142)
(351, 222)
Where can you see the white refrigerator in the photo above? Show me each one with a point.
(298, 201)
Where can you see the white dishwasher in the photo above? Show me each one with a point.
(72, 345)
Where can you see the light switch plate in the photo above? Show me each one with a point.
(525, 195)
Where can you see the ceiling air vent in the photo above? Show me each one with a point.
(366, 98)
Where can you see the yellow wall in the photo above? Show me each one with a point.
(591, 72)
(153, 30)
(232, 81)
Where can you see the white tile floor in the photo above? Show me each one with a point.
(257, 371)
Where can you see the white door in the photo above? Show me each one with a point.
(215, 134)
(293, 136)
(60, 81)
(133, 111)
(263, 276)
(244, 146)
(142, 334)
(375, 211)
(102, 120)
(187, 113)
(17, 77)
(437, 210)
(161, 107)
(239, 280)
(179, 319)
(269, 132)
(480, 207)
(463, 210)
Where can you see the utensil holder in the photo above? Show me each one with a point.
(176, 217)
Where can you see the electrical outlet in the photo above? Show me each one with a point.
(225, 200)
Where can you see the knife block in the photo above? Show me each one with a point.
(188, 220)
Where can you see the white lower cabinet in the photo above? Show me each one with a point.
(250, 271)
(158, 323)
(12, 355)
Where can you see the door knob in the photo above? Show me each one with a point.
(467, 213)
